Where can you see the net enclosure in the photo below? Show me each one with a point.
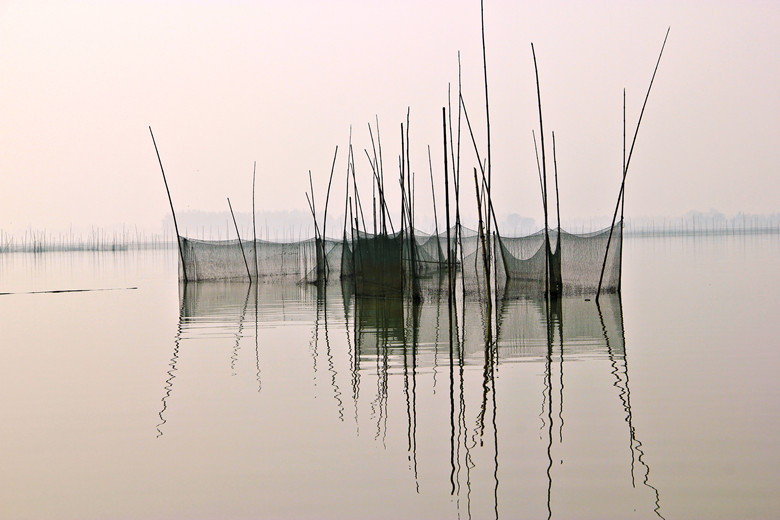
(573, 262)
(389, 264)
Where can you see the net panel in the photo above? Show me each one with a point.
(386, 263)
(378, 263)
(225, 260)
(575, 262)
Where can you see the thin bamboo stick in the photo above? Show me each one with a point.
(173, 213)
(375, 170)
(447, 215)
(433, 189)
(325, 215)
(628, 161)
(248, 274)
(254, 223)
(487, 113)
(327, 196)
(544, 176)
(623, 198)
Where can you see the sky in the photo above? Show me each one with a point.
(226, 83)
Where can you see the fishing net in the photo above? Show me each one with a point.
(393, 264)
(228, 259)
(430, 254)
(378, 262)
(575, 260)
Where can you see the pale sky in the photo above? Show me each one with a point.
(225, 83)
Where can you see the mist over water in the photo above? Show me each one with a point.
(231, 400)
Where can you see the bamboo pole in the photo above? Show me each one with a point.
(373, 201)
(487, 113)
(471, 133)
(401, 166)
(248, 274)
(447, 216)
(458, 226)
(410, 206)
(173, 213)
(544, 176)
(325, 216)
(312, 205)
(346, 201)
(311, 209)
(355, 239)
(489, 207)
(539, 169)
(381, 169)
(358, 204)
(382, 201)
(375, 169)
(558, 280)
(254, 223)
(433, 189)
(485, 262)
(623, 198)
(327, 196)
(628, 161)
(557, 199)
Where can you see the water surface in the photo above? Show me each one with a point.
(284, 401)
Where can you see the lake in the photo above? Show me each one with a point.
(143, 399)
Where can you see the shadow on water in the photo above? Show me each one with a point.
(392, 345)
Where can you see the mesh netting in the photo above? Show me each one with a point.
(225, 260)
(430, 253)
(392, 263)
(378, 263)
(575, 263)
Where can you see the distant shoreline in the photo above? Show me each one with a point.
(55, 243)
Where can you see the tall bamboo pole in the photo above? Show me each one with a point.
(628, 161)
(485, 261)
(173, 213)
(558, 280)
(325, 215)
(623, 198)
(248, 274)
(327, 196)
(459, 229)
(487, 114)
(544, 177)
(346, 202)
(381, 169)
(375, 169)
(447, 216)
(433, 193)
(358, 204)
(384, 210)
(254, 223)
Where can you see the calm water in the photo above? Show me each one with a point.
(231, 401)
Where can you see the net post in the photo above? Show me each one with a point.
(170, 201)
(248, 273)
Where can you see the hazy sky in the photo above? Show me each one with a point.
(226, 83)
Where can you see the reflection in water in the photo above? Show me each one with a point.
(234, 355)
(171, 375)
(323, 312)
(621, 383)
(391, 347)
(218, 311)
(257, 341)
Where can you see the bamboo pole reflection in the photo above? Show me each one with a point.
(171, 376)
(208, 311)
(391, 346)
